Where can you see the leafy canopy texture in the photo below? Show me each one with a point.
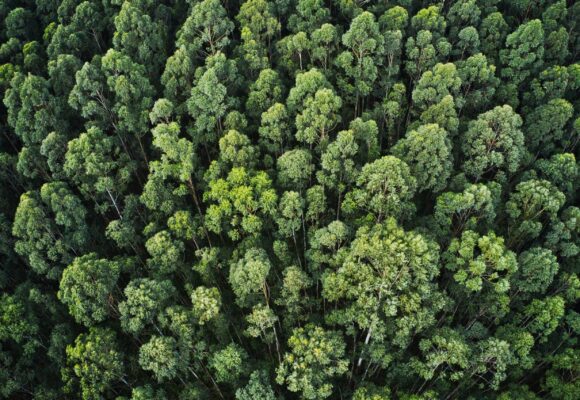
(289, 199)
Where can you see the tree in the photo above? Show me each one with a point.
(295, 285)
(480, 262)
(147, 393)
(50, 228)
(274, 128)
(305, 87)
(20, 23)
(537, 268)
(473, 209)
(315, 357)
(556, 382)
(560, 169)
(435, 84)
(258, 387)
(366, 48)
(429, 19)
(384, 188)
(375, 293)
(145, 298)
(294, 50)
(166, 253)
(248, 276)
(545, 126)
(258, 28)
(236, 150)
(478, 83)
(468, 43)
(206, 304)
(90, 96)
(493, 357)
(309, 15)
(562, 237)
(295, 169)
(318, 118)
(228, 363)
(81, 33)
(206, 30)
(423, 51)
(133, 95)
(62, 74)
(32, 113)
(139, 36)
(97, 165)
(493, 32)
(445, 355)
(262, 324)
(493, 144)
(160, 356)
(461, 14)
(96, 361)
(542, 317)
(523, 55)
(482, 269)
(177, 79)
(291, 215)
(338, 169)
(389, 114)
(428, 153)
(372, 392)
(324, 41)
(243, 201)
(88, 287)
(209, 106)
(393, 23)
(530, 204)
(264, 92)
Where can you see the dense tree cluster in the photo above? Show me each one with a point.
(289, 199)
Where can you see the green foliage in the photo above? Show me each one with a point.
(207, 28)
(537, 266)
(145, 298)
(248, 275)
(206, 304)
(228, 363)
(384, 188)
(159, 356)
(493, 145)
(50, 228)
(316, 356)
(480, 262)
(243, 199)
(471, 209)
(531, 203)
(258, 387)
(295, 169)
(87, 286)
(96, 361)
(427, 152)
(385, 295)
(284, 199)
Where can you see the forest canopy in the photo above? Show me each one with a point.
(289, 199)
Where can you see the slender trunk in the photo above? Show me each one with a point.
(143, 153)
(198, 207)
(367, 339)
(296, 247)
(277, 344)
(114, 204)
